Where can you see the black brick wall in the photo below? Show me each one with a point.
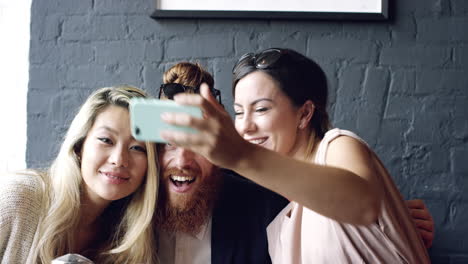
(401, 84)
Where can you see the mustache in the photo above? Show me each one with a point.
(176, 171)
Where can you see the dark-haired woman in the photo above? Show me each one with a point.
(345, 207)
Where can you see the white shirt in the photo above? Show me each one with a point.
(182, 248)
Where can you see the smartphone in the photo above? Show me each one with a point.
(145, 118)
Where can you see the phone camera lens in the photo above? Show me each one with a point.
(137, 130)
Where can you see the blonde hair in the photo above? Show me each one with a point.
(132, 239)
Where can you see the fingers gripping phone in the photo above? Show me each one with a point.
(145, 118)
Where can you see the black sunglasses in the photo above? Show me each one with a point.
(262, 60)
(171, 89)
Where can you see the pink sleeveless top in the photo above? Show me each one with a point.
(298, 235)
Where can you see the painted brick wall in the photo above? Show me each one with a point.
(401, 84)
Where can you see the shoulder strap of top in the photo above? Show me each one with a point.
(330, 135)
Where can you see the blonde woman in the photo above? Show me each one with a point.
(98, 197)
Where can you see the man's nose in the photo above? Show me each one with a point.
(184, 158)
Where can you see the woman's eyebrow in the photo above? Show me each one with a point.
(256, 101)
(108, 128)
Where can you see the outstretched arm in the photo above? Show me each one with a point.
(344, 191)
(423, 220)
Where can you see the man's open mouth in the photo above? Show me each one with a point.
(180, 181)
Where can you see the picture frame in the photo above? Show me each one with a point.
(273, 9)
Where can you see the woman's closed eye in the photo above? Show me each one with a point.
(238, 110)
(105, 140)
(261, 109)
(238, 113)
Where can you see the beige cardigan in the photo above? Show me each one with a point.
(20, 209)
(298, 235)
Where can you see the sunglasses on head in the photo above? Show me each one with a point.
(169, 90)
(262, 60)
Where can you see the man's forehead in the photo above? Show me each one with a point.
(174, 150)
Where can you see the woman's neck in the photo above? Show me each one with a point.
(91, 209)
(305, 146)
(87, 232)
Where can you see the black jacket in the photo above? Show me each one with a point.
(242, 213)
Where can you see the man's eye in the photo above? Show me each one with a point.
(238, 113)
(169, 146)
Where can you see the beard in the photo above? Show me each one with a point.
(186, 212)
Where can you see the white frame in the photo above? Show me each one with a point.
(14, 66)
(273, 9)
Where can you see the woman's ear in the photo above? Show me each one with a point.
(78, 156)
(306, 113)
(77, 149)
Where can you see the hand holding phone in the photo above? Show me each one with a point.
(145, 118)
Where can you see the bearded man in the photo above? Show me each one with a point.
(205, 214)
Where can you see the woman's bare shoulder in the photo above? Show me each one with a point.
(349, 147)
(352, 154)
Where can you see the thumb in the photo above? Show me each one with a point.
(206, 93)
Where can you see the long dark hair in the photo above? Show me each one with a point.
(299, 77)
